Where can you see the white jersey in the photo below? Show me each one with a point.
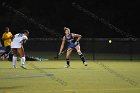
(18, 40)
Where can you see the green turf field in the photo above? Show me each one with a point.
(52, 77)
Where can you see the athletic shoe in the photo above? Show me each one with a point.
(66, 66)
(23, 67)
(85, 63)
(14, 66)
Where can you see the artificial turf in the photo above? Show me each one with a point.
(51, 77)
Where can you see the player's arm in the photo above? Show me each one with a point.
(25, 38)
(78, 36)
(4, 38)
(24, 41)
(12, 38)
(62, 45)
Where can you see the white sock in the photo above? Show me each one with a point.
(22, 60)
(14, 60)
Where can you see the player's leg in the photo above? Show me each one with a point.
(80, 54)
(22, 56)
(68, 57)
(2, 54)
(7, 50)
(14, 59)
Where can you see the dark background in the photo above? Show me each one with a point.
(55, 14)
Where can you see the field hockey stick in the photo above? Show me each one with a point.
(63, 52)
(8, 53)
(60, 54)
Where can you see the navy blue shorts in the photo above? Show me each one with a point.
(72, 45)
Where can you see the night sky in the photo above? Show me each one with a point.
(55, 14)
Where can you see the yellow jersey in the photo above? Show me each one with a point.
(7, 38)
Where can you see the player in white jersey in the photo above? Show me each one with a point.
(17, 47)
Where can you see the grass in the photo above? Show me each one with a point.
(52, 77)
(89, 56)
(51, 55)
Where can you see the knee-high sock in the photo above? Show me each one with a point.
(22, 60)
(68, 61)
(14, 60)
(82, 58)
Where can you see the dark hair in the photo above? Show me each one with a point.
(6, 28)
(24, 31)
(65, 28)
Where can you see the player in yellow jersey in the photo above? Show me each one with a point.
(6, 37)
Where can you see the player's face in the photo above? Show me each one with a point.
(67, 31)
(27, 33)
(6, 29)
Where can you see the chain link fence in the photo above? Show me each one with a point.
(92, 48)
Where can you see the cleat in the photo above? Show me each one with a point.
(14, 66)
(23, 67)
(85, 64)
(67, 66)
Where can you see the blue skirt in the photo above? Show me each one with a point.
(72, 45)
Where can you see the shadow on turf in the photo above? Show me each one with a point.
(6, 68)
(56, 68)
(11, 87)
(48, 68)
(51, 68)
(44, 68)
(12, 68)
(67, 68)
